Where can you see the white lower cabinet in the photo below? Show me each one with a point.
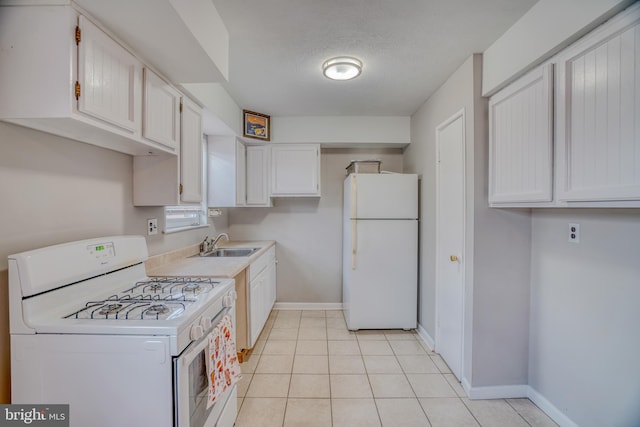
(262, 291)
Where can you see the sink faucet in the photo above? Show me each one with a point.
(218, 237)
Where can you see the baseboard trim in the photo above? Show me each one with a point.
(497, 392)
(308, 306)
(549, 408)
(519, 391)
(422, 332)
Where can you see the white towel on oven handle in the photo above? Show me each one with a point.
(223, 368)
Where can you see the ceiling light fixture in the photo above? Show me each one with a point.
(342, 68)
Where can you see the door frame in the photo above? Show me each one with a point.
(460, 114)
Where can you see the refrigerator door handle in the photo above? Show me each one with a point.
(354, 243)
(354, 222)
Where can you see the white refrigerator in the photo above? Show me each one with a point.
(380, 251)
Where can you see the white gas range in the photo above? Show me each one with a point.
(90, 329)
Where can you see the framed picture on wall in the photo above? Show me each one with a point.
(256, 125)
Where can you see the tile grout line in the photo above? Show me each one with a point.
(517, 412)
(410, 385)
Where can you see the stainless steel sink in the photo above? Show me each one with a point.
(230, 252)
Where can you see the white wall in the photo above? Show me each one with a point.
(496, 289)
(343, 131)
(585, 343)
(55, 190)
(547, 27)
(308, 231)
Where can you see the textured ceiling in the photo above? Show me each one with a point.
(408, 47)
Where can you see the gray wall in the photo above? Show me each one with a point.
(585, 315)
(55, 190)
(308, 231)
(496, 290)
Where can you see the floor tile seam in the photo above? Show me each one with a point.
(455, 394)
(471, 412)
(417, 400)
(518, 412)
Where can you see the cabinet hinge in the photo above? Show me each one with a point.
(180, 188)
(78, 35)
(77, 90)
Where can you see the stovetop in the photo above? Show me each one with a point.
(99, 287)
(156, 298)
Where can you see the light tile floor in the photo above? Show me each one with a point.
(308, 370)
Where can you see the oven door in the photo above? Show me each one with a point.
(191, 386)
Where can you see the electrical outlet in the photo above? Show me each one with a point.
(213, 212)
(574, 233)
(152, 226)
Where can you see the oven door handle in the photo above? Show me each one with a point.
(195, 348)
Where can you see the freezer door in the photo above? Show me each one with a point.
(380, 283)
(389, 196)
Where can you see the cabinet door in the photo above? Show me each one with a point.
(109, 78)
(598, 111)
(160, 111)
(295, 170)
(191, 153)
(256, 307)
(241, 174)
(258, 176)
(520, 140)
(270, 288)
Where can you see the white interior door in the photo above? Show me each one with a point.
(450, 140)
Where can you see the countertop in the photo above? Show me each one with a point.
(181, 262)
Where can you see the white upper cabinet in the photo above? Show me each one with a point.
(238, 175)
(598, 114)
(63, 75)
(572, 140)
(191, 153)
(161, 111)
(258, 176)
(520, 140)
(226, 175)
(108, 78)
(295, 170)
(168, 180)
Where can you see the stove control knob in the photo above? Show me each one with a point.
(197, 332)
(205, 322)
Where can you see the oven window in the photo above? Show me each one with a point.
(198, 393)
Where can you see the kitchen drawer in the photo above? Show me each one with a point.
(262, 262)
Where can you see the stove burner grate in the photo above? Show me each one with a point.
(157, 309)
(110, 309)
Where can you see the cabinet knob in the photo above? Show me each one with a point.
(453, 258)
